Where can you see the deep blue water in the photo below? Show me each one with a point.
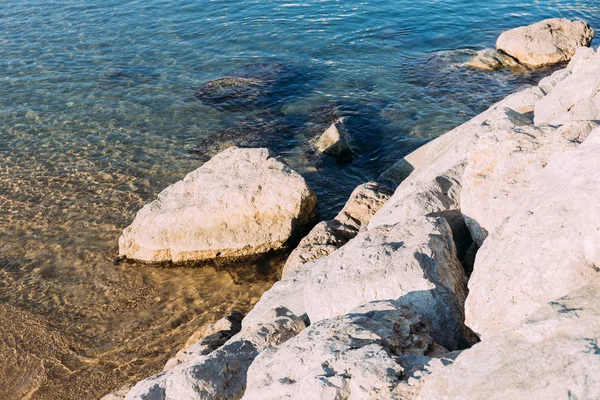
(98, 114)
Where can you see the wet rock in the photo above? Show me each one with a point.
(351, 356)
(575, 97)
(547, 42)
(222, 373)
(328, 236)
(242, 87)
(334, 142)
(264, 129)
(413, 261)
(553, 355)
(491, 59)
(208, 339)
(501, 166)
(241, 202)
(548, 247)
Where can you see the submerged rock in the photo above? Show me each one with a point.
(222, 373)
(547, 42)
(208, 339)
(328, 236)
(553, 355)
(358, 355)
(242, 87)
(548, 247)
(241, 202)
(491, 59)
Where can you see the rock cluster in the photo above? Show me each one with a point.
(384, 312)
(546, 42)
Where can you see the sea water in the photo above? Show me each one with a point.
(98, 114)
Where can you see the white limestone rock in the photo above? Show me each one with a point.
(241, 202)
(414, 262)
(328, 236)
(549, 246)
(222, 373)
(547, 42)
(574, 98)
(502, 165)
(354, 356)
(554, 355)
(434, 184)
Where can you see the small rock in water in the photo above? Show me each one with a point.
(490, 60)
(334, 142)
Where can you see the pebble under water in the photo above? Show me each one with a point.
(104, 104)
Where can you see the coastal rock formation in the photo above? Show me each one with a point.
(328, 236)
(575, 97)
(414, 262)
(208, 339)
(350, 356)
(547, 42)
(241, 202)
(222, 373)
(549, 246)
(502, 164)
(334, 142)
(492, 59)
(553, 355)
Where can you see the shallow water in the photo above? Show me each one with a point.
(98, 114)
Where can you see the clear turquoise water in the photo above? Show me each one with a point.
(97, 115)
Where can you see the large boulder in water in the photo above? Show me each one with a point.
(547, 42)
(241, 202)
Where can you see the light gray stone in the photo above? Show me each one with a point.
(547, 42)
(354, 356)
(502, 165)
(241, 202)
(433, 185)
(549, 246)
(414, 262)
(554, 355)
(328, 236)
(222, 373)
(574, 98)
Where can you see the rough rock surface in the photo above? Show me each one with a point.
(502, 165)
(492, 59)
(414, 262)
(328, 236)
(576, 97)
(549, 247)
(222, 373)
(433, 186)
(208, 339)
(354, 356)
(241, 202)
(546, 42)
(334, 142)
(554, 355)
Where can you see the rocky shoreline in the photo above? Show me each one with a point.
(386, 301)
